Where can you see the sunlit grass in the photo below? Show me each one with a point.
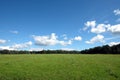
(59, 67)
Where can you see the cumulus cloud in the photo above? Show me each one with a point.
(14, 32)
(96, 28)
(50, 40)
(2, 41)
(100, 28)
(23, 45)
(98, 38)
(5, 47)
(36, 49)
(78, 38)
(113, 43)
(16, 46)
(64, 43)
(46, 40)
(117, 12)
(67, 49)
(89, 24)
(115, 29)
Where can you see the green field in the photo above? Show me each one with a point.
(59, 67)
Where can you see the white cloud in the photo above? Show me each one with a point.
(98, 38)
(46, 40)
(64, 43)
(2, 41)
(113, 43)
(78, 38)
(117, 12)
(89, 24)
(5, 47)
(36, 49)
(67, 49)
(49, 40)
(115, 29)
(96, 28)
(14, 32)
(100, 28)
(23, 45)
(16, 46)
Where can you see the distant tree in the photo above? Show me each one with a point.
(103, 50)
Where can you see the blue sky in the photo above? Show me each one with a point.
(58, 24)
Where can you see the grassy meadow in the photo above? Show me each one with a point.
(59, 67)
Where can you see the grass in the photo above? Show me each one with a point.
(59, 67)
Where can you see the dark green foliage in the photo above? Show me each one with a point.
(39, 52)
(103, 50)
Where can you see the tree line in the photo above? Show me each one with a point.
(115, 49)
(96, 50)
(39, 52)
